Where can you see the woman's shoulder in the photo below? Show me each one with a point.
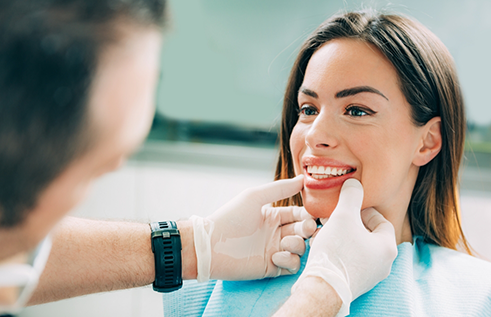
(429, 280)
(452, 259)
(440, 263)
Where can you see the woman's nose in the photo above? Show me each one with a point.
(322, 134)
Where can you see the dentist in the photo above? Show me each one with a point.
(77, 80)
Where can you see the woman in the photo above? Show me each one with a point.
(425, 98)
(376, 97)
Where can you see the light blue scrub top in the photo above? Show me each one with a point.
(425, 280)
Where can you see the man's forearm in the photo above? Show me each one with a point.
(312, 297)
(91, 256)
(96, 256)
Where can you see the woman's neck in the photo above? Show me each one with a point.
(395, 209)
(406, 234)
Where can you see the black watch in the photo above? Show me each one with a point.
(166, 247)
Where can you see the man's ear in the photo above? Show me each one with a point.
(431, 142)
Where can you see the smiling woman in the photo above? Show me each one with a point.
(353, 126)
(380, 96)
(376, 97)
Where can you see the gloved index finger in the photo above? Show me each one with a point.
(291, 214)
(350, 199)
(277, 190)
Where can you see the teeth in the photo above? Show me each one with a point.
(321, 172)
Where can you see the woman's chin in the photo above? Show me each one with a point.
(319, 209)
(319, 203)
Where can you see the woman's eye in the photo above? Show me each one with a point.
(307, 111)
(355, 111)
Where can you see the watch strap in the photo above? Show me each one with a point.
(166, 246)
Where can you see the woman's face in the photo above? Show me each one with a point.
(354, 122)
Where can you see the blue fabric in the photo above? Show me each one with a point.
(426, 280)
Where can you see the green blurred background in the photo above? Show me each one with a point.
(225, 64)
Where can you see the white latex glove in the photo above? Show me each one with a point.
(247, 240)
(345, 254)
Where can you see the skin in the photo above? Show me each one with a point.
(121, 111)
(371, 132)
(313, 297)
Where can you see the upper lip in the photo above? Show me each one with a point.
(324, 161)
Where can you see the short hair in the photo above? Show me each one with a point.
(49, 52)
(428, 80)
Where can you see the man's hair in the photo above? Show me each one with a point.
(49, 53)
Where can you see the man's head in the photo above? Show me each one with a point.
(76, 88)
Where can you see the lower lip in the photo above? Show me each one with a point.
(325, 183)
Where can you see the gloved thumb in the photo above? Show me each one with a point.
(350, 199)
(376, 222)
(277, 190)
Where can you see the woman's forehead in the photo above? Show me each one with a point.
(343, 63)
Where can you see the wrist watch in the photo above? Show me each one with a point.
(166, 247)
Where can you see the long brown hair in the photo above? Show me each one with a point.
(428, 80)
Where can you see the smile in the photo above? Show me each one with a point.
(321, 172)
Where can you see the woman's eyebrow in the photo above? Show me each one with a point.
(357, 90)
(308, 92)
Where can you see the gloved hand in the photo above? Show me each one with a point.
(345, 254)
(247, 240)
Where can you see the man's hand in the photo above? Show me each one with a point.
(352, 252)
(246, 240)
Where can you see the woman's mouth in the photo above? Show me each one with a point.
(322, 172)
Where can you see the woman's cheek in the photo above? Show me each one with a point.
(297, 145)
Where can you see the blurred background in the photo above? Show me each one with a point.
(224, 68)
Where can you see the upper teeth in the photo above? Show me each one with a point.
(326, 170)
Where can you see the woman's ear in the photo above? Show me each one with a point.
(431, 142)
